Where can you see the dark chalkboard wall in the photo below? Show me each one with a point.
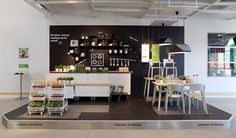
(144, 34)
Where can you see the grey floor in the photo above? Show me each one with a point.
(8, 103)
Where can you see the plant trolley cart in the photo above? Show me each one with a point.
(37, 97)
(56, 99)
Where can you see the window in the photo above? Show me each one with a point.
(221, 55)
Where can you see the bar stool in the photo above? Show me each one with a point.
(151, 77)
(171, 67)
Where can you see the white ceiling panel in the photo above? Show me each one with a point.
(224, 9)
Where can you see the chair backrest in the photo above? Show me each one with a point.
(177, 88)
(117, 88)
(120, 88)
(197, 87)
(112, 88)
(155, 70)
(168, 61)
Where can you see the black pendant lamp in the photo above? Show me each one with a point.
(180, 48)
(234, 38)
(164, 41)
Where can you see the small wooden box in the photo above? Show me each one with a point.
(123, 69)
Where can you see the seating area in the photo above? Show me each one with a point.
(184, 95)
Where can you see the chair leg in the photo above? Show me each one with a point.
(204, 105)
(189, 105)
(166, 102)
(171, 101)
(145, 88)
(148, 89)
(204, 101)
(197, 103)
(110, 97)
(178, 103)
(206, 108)
(119, 97)
(183, 101)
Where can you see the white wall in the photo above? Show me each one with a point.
(196, 31)
(21, 26)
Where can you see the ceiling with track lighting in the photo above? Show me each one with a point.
(164, 10)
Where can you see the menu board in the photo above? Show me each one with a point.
(145, 53)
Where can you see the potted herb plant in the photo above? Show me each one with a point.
(60, 67)
(56, 68)
(183, 78)
(70, 79)
(66, 68)
(159, 79)
(59, 79)
(126, 50)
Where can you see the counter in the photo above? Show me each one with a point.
(111, 78)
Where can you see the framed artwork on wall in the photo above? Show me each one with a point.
(23, 53)
(74, 43)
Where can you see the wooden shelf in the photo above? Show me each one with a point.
(102, 47)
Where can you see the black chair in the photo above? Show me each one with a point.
(119, 92)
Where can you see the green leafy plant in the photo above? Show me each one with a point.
(60, 66)
(65, 78)
(55, 104)
(126, 50)
(56, 67)
(70, 78)
(83, 70)
(80, 70)
(159, 77)
(182, 77)
(36, 104)
(60, 78)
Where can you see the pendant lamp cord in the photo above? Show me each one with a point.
(142, 35)
(177, 17)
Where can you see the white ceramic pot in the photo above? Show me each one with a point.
(159, 81)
